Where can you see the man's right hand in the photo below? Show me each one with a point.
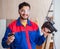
(10, 39)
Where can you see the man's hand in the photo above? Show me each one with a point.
(10, 39)
(45, 31)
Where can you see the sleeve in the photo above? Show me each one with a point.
(39, 38)
(4, 44)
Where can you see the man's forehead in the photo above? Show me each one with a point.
(25, 7)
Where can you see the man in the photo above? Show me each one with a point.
(26, 34)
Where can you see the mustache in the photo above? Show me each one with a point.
(23, 18)
(25, 15)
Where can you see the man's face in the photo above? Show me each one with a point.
(24, 12)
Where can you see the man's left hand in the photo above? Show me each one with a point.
(45, 31)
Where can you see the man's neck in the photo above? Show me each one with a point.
(23, 20)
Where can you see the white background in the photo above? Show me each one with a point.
(57, 21)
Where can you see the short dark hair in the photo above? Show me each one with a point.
(23, 4)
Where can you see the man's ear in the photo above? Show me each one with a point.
(19, 11)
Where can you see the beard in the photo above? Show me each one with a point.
(23, 18)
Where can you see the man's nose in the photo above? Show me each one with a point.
(26, 12)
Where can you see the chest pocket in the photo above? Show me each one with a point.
(18, 37)
(32, 35)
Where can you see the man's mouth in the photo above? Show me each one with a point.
(25, 14)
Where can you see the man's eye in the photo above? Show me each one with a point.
(22, 10)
